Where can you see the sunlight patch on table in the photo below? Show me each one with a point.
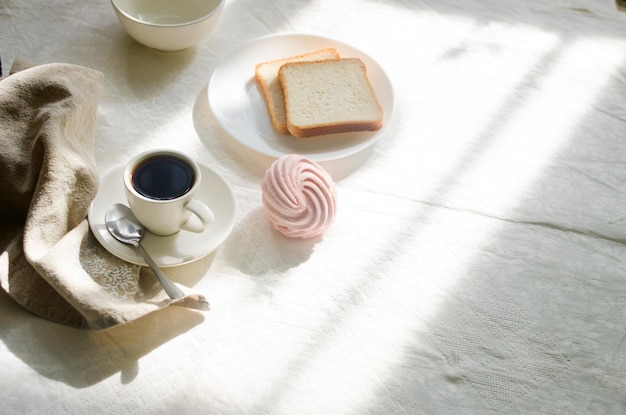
(506, 98)
(541, 125)
(366, 345)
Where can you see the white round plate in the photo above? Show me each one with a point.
(182, 247)
(240, 108)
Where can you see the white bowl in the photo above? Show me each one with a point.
(168, 25)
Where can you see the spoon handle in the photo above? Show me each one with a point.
(172, 290)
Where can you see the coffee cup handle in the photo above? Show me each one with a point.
(202, 212)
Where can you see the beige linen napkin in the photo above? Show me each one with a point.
(50, 262)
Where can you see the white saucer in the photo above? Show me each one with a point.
(180, 248)
(240, 108)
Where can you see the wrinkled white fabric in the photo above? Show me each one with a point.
(476, 264)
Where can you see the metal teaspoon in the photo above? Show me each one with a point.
(124, 226)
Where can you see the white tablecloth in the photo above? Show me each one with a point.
(477, 264)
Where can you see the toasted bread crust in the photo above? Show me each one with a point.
(272, 101)
(270, 86)
(334, 129)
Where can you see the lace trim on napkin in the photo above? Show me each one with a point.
(120, 280)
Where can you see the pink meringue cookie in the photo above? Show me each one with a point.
(299, 196)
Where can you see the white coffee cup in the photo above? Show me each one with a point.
(160, 187)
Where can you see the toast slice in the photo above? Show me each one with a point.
(328, 97)
(266, 76)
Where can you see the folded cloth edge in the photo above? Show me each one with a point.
(37, 253)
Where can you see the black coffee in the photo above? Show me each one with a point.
(163, 177)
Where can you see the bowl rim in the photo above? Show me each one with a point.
(191, 22)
